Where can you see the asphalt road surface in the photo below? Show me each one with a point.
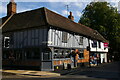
(107, 71)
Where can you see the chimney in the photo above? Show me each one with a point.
(70, 16)
(11, 8)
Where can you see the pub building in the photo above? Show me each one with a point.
(42, 39)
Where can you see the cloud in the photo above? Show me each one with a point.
(22, 7)
(65, 0)
(22, 10)
(79, 4)
(59, 0)
(48, 0)
(115, 4)
(78, 13)
(3, 9)
(119, 6)
(65, 12)
(112, 0)
(55, 11)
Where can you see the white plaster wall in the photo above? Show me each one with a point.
(55, 39)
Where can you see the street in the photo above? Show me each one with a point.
(107, 71)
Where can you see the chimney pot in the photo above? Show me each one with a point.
(70, 16)
(70, 13)
(11, 0)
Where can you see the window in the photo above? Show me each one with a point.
(64, 37)
(5, 54)
(94, 44)
(81, 55)
(6, 42)
(32, 54)
(55, 53)
(99, 44)
(81, 40)
(46, 56)
(29, 54)
(61, 53)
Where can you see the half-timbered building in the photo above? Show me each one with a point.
(46, 40)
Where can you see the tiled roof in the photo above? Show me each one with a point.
(2, 20)
(43, 16)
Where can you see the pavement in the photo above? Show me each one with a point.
(42, 73)
(29, 73)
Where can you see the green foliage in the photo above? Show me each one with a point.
(104, 18)
(100, 16)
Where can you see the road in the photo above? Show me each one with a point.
(104, 71)
(107, 71)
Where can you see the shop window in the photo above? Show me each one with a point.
(67, 54)
(64, 37)
(61, 54)
(55, 54)
(36, 54)
(32, 54)
(19, 55)
(81, 55)
(5, 55)
(28, 55)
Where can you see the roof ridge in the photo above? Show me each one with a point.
(28, 11)
(45, 14)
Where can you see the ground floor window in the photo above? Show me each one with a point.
(47, 54)
(32, 54)
(20, 54)
(81, 55)
(61, 53)
(6, 54)
(95, 58)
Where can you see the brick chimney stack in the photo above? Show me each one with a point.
(70, 16)
(11, 8)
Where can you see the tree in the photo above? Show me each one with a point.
(104, 18)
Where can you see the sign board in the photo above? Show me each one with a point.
(105, 45)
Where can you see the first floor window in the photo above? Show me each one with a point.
(94, 44)
(64, 37)
(99, 44)
(81, 40)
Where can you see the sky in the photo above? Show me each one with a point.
(58, 6)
